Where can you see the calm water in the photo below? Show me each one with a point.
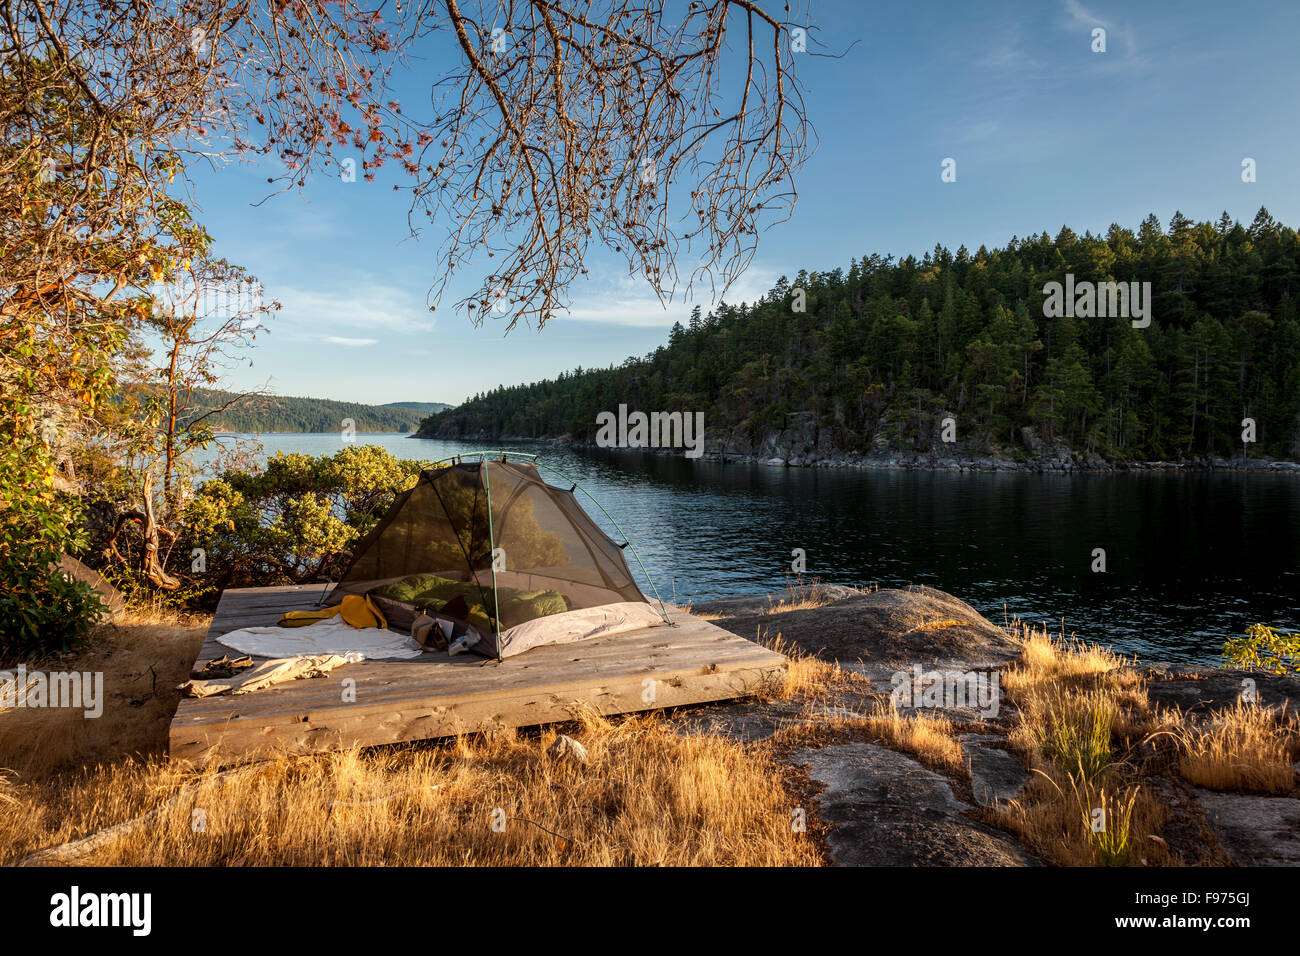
(1191, 558)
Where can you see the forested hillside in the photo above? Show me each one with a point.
(886, 348)
(276, 413)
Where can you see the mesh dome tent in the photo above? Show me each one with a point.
(495, 551)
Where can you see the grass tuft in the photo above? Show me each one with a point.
(928, 737)
(1246, 747)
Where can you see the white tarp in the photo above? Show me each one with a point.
(331, 636)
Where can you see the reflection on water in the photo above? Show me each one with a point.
(1191, 558)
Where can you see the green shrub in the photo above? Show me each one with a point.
(1263, 648)
(42, 610)
(295, 519)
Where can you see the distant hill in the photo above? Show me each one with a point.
(283, 413)
(427, 408)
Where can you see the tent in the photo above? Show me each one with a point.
(499, 557)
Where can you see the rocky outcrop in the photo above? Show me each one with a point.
(887, 810)
(884, 807)
(879, 633)
(1256, 831)
(996, 775)
(112, 599)
(1203, 690)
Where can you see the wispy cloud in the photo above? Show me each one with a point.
(992, 93)
(629, 302)
(366, 304)
(1083, 17)
(1121, 41)
(1010, 52)
(353, 343)
(1000, 109)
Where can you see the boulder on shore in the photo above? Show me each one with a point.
(111, 596)
(877, 633)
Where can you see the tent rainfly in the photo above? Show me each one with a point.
(500, 557)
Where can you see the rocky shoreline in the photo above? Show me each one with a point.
(1048, 460)
(881, 804)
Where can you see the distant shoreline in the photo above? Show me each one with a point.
(882, 461)
(918, 461)
(331, 432)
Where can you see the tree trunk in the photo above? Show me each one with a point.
(150, 563)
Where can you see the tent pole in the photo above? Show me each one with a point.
(481, 454)
(496, 601)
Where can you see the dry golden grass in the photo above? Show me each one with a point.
(647, 797)
(807, 676)
(803, 596)
(1246, 747)
(1080, 708)
(804, 603)
(159, 614)
(1049, 659)
(930, 738)
(1077, 699)
(1073, 697)
(1055, 818)
(143, 656)
(1069, 728)
(936, 625)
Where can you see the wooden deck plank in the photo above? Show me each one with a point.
(378, 691)
(468, 674)
(402, 700)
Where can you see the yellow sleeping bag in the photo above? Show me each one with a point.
(357, 609)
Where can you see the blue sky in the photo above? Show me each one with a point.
(1044, 132)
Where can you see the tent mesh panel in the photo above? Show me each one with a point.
(545, 540)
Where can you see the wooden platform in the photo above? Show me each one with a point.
(440, 696)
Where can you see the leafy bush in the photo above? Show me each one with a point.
(1263, 648)
(295, 520)
(42, 610)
